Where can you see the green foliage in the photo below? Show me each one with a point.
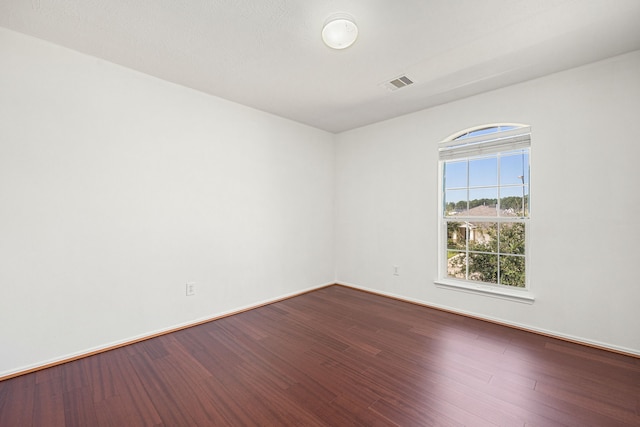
(511, 202)
(512, 271)
(512, 238)
(484, 261)
(483, 267)
(459, 206)
(482, 202)
(456, 239)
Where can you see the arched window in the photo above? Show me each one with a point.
(485, 208)
(485, 130)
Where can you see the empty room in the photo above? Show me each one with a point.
(319, 213)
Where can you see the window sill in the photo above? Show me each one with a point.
(517, 295)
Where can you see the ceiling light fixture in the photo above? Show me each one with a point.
(339, 31)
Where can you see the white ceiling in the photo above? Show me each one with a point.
(268, 54)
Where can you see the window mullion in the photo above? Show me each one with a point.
(466, 250)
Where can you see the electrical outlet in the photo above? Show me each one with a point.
(191, 288)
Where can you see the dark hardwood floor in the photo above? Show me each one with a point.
(334, 357)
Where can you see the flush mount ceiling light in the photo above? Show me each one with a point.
(339, 31)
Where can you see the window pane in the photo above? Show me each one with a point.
(483, 171)
(455, 174)
(512, 271)
(455, 201)
(483, 236)
(512, 238)
(456, 265)
(483, 267)
(511, 201)
(456, 235)
(514, 168)
(486, 131)
(482, 202)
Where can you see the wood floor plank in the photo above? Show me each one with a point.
(136, 406)
(18, 400)
(48, 406)
(409, 414)
(79, 408)
(357, 414)
(334, 357)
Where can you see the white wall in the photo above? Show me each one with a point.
(585, 198)
(116, 188)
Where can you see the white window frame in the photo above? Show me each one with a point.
(517, 136)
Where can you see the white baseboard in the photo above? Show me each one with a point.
(550, 333)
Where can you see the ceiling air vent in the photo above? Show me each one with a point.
(397, 83)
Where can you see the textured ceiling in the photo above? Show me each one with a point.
(268, 54)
